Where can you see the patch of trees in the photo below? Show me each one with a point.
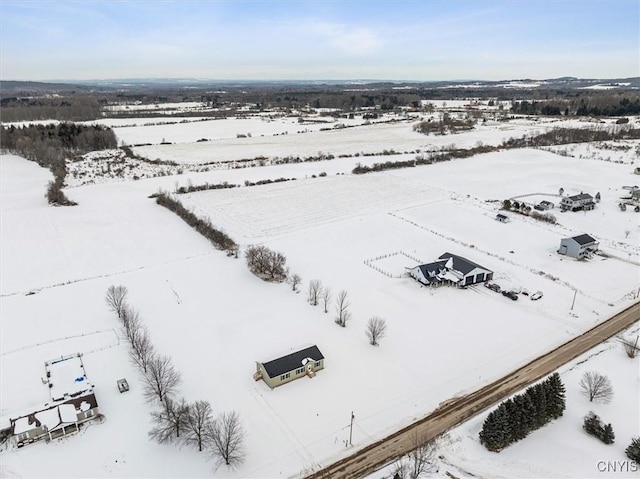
(593, 426)
(267, 181)
(219, 238)
(51, 145)
(524, 209)
(602, 105)
(633, 450)
(516, 417)
(206, 186)
(175, 420)
(423, 159)
(67, 108)
(266, 264)
(446, 124)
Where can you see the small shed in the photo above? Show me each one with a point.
(123, 385)
(579, 247)
(502, 218)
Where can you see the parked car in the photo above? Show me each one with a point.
(492, 286)
(510, 294)
(536, 296)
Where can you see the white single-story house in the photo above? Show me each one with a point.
(580, 246)
(583, 201)
(277, 372)
(502, 218)
(450, 269)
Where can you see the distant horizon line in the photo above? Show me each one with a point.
(293, 80)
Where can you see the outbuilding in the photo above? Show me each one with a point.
(502, 218)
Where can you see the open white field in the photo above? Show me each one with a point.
(373, 138)
(215, 319)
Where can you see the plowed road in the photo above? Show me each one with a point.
(376, 455)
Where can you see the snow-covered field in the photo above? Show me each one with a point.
(215, 319)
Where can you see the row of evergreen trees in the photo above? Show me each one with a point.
(516, 417)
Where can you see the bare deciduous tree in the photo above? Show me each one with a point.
(116, 299)
(326, 298)
(596, 387)
(630, 346)
(294, 280)
(376, 329)
(342, 309)
(170, 421)
(131, 322)
(315, 290)
(420, 461)
(227, 439)
(199, 420)
(161, 379)
(141, 351)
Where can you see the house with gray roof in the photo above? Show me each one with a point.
(450, 269)
(583, 201)
(277, 372)
(579, 247)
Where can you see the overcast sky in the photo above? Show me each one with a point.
(319, 39)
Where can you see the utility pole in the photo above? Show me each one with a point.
(351, 429)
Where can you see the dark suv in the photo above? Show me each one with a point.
(510, 295)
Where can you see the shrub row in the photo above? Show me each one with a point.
(219, 238)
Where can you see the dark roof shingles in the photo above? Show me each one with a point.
(291, 361)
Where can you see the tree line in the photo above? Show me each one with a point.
(219, 238)
(516, 417)
(51, 145)
(175, 420)
(612, 105)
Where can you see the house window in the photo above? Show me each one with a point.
(23, 437)
(89, 413)
(299, 371)
(317, 364)
(285, 376)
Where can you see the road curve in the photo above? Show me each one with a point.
(458, 410)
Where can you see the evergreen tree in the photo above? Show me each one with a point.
(556, 403)
(608, 437)
(592, 424)
(633, 449)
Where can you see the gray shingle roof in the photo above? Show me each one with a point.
(292, 361)
(581, 196)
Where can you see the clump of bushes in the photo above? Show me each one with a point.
(592, 425)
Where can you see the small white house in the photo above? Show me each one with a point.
(581, 246)
(502, 218)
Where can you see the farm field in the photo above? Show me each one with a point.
(215, 319)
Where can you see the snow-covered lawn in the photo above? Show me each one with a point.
(215, 319)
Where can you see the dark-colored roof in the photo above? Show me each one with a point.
(431, 270)
(461, 264)
(581, 196)
(583, 239)
(500, 215)
(292, 361)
